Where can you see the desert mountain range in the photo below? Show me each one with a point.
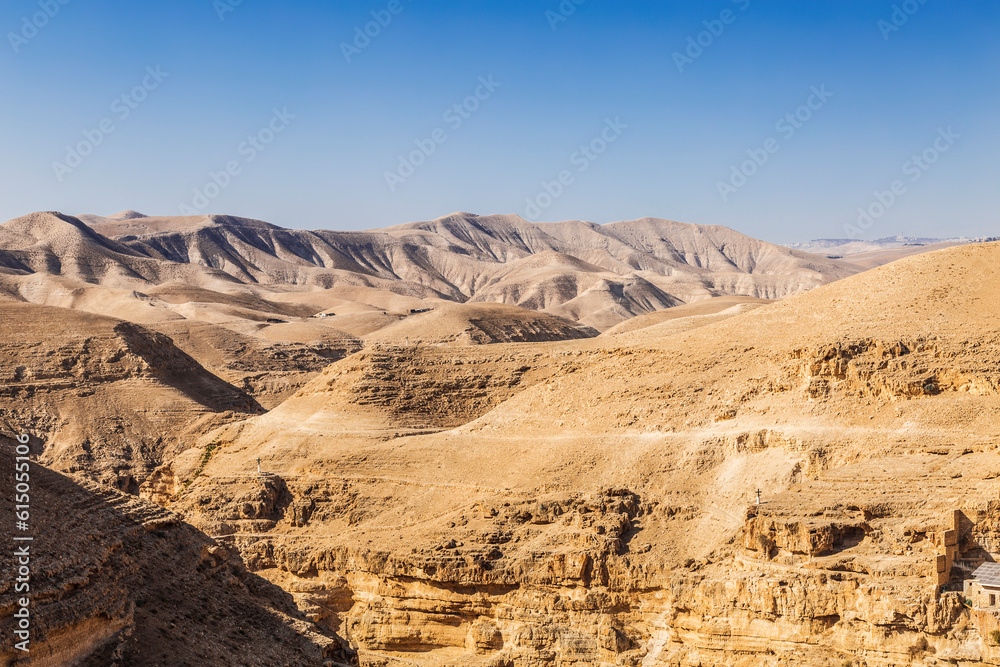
(595, 275)
(490, 482)
(261, 309)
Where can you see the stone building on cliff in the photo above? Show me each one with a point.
(983, 590)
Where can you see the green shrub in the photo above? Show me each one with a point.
(206, 456)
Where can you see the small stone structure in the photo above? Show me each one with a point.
(983, 590)
(946, 544)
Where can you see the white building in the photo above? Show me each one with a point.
(983, 590)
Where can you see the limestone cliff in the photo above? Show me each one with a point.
(117, 581)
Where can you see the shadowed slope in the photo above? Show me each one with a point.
(115, 580)
(111, 398)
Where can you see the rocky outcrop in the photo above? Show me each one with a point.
(108, 398)
(115, 580)
(588, 504)
(431, 387)
(566, 579)
(897, 369)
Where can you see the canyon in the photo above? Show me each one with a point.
(478, 441)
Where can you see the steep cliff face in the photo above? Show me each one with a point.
(521, 581)
(114, 580)
(570, 578)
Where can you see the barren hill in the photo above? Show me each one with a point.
(871, 254)
(636, 267)
(241, 296)
(455, 470)
(111, 398)
(678, 319)
(439, 499)
(481, 323)
(52, 243)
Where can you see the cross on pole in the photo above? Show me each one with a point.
(758, 496)
(258, 471)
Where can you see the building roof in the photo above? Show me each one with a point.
(988, 574)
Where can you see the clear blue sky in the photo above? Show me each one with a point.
(892, 91)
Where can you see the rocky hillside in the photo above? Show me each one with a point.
(593, 502)
(432, 478)
(266, 308)
(117, 581)
(108, 398)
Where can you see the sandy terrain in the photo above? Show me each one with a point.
(863, 377)
(446, 480)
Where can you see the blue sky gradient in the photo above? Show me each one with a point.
(230, 66)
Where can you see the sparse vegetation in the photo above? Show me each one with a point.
(206, 456)
(995, 637)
